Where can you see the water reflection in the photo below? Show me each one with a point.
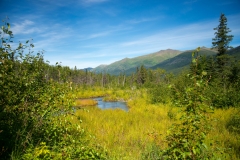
(111, 105)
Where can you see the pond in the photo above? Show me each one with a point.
(110, 105)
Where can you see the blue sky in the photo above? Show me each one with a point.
(87, 33)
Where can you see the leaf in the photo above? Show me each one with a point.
(205, 146)
(8, 25)
(194, 151)
(204, 73)
(198, 84)
(193, 53)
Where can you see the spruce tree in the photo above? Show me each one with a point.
(224, 62)
(222, 39)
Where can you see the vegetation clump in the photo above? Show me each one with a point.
(35, 109)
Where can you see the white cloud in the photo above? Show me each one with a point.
(26, 27)
(101, 34)
(136, 21)
(185, 35)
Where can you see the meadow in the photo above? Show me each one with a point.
(140, 133)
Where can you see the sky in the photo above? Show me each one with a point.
(88, 33)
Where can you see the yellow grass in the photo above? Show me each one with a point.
(126, 135)
(85, 102)
(226, 140)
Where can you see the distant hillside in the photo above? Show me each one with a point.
(235, 52)
(170, 60)
(129, 65)
(182, 60)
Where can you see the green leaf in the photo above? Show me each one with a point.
(204, 73)
(205, 146)
(193, 53)
(194, 151)
(198, 84)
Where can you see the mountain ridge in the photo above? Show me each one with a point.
(147, 60)
(170, 60)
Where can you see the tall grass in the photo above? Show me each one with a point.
(225, 140)
(127, 134)
(141, 130)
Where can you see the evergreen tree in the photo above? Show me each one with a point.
(142, 74)
(222, 40)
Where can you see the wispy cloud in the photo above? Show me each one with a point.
(136, 21)
(101, 34)
(107, 31)
(23, 28)
(186, 35)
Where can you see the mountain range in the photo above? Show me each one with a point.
(170, 60)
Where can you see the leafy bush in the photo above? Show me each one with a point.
(233, 124)
(160, 94)
(35, 111)
(186, 139)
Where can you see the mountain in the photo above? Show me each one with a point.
(170, 60)
(235, 52)
(181, 61)
(129, 65)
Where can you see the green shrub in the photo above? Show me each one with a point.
(233, 124)
(160, 94)
(186, 139)
(35, 111)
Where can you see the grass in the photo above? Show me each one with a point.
(130, 135)
(225, 140)
(127, 134)
(85, 102)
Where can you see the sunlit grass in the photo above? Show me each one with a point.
(85, 102)
(127, 135)
(225, 140)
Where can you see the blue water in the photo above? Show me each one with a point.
(111, 105)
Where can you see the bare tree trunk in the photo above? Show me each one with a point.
(124, 78)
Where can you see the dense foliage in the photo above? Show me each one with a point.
(34, 109)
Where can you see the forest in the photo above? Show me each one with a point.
(46, 111)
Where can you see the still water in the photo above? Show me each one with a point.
(110, 105)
